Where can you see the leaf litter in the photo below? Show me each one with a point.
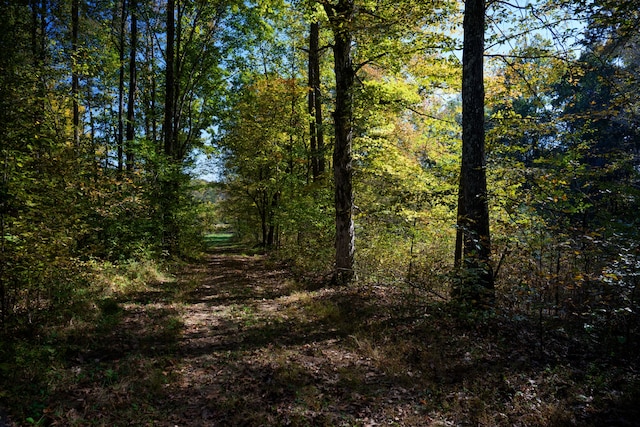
(238, 341)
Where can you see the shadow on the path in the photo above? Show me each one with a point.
(236, 341)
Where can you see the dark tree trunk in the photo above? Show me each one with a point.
(3, 208)
(75, 80)
(315, 104)
(476, 279)
(265, 230)
(179, 148)
(340, 16)
(130, 135)
(39, 51)
(170, 180)
(275, 199)
(459, 235)
(169, 99)
(150, 92)
(92, 129)
(120, 137)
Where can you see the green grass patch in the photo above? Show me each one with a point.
(219, 239)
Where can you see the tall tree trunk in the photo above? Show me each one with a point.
(476, 285)
(150, 92)
(120, 137)
(130, 135)
(264, 222)
(457, 263)
(170, 181)
(340, 16)
(169, 99)
(275, 199)
(92, 130)
(39, 52)
(75, 80)
(315, 103)
(4, 180)
(176, 109)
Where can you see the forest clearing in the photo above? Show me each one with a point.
(236, 340)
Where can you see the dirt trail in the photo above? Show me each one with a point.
(256, 351)
(235, 341)
(230, 289)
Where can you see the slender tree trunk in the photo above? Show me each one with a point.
(35, 6)
(170, 182)
(169, 99)
(146, 92)
(265, 229)
(459, 235)
(120, 137)
(340, 16)
(75, 80)
(177, 70)
(4, 184)
(313, 144)
(39, 52)
(130, 135)
(150, 93)
(270, 242)
(315, 104)
(473, 221)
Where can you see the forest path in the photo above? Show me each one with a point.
(257, 349)
(235, 341)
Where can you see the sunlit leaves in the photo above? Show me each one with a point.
(264, 142)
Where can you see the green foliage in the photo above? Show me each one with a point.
(80, 230)
(307, 229)
(565, 188)
(405, 179)
(267, 161)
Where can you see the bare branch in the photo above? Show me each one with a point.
(429, 116)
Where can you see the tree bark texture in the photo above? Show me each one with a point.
(340, 17)
(473, 221)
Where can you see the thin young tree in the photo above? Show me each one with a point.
(75, 79)
(130, 133)
(315, 103)
(121, 78)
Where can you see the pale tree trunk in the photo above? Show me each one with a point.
(476, 276)
(340, 16)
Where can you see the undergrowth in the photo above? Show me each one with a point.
(36, 355)
(235, 340)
